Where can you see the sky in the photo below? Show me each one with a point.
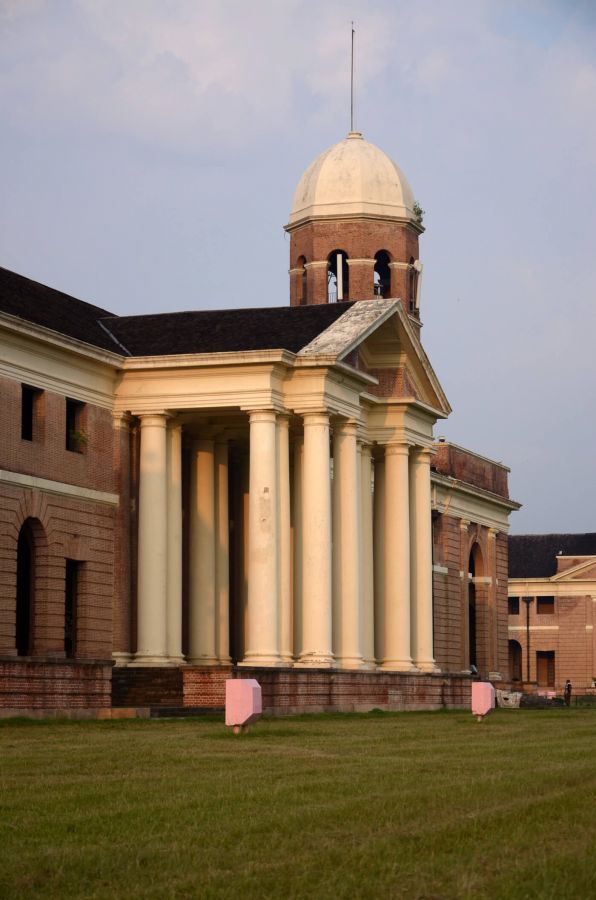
(149, 152)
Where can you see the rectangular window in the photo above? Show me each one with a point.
(514, 606)
(76, 439)
(545, 606)
(545, 668)
(71, 586)
(29, 409)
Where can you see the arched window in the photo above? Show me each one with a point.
(338, 276)
(302, 297)
(412, 285)
(382, 274)
(515, 661)
(25, 589)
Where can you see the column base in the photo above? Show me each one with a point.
(255, 660)
(495, 676)
(147, 659)
(315, 661)
(202, 661)
(287, 661)
(398, 665)
(428, 666)
(225, 661)
(177, 660)
(350, 662)
(122, 659)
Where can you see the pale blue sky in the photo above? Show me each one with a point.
(150, 151)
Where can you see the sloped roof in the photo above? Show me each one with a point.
(196, 331)
(534, 555)
(34, 302)
(224, 330)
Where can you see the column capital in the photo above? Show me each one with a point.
(296, 271)
(317, 264)
(399, 265)
(121, 420)
(397, 449)
(153, 419)
(464, 524)
(262, 415)
(346, 426)
(315, 417)
(423, 454)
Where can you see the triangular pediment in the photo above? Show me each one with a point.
(582, 571)
(378, 338)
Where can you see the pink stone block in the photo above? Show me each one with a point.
(243, 701)
(483, 698)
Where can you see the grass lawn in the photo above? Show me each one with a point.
(387, 805)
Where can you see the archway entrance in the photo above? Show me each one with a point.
(25, 589)
(515, 661)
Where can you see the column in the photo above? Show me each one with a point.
(222, 554)
(397, 559)
(316, 281)
(362, 279)
(379, 557)
(285, 568)
(421, 561)
(347, 613)
(296, 510)
(174, 579)
(263, 548)
(366, 547)
(152, 546)
(316, 544)
(201, 613)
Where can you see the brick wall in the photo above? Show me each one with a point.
(39, 685)
(466, 466)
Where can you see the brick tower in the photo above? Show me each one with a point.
(354, 229)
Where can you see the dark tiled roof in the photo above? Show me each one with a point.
(20, 296)
(534, 555)
(221, 330)
(211, 331)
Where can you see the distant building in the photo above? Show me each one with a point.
(260, 491)
(552, 610)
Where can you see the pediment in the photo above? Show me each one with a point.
(582, 571)
(377, 337)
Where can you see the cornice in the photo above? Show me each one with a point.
(61, 341)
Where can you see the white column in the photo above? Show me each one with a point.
(152, 547)
(366, 547)
(296, 510)
(347, 613)
(222, 554)
(174, 583)
(263, 542)
(285, 568)
(379, 557)
(201, 618)
(316, 544)
(421, 561)
(397, 559)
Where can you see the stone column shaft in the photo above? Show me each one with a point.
(222, 555)
(153, 545)
(367, 563)
(263, 536)
(285, 566)
(201, 628)
(347, 612)
(421, 561)
(296, 510)
(379, 557)
(316, 544)
(174, 585)
(397, 559)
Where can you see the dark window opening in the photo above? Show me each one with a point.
(301, 264)
(545, 606)
(412, 285)
(25, 588)
(29, 402)
(76, 438)
(71, 588)
(382, 274)
(545, 668)
(338, 276)
(515, 661)
(513, 604)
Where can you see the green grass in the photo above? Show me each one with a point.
(413, 805)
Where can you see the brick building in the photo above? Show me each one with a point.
(191, 494)
(552, 604)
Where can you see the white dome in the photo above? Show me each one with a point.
(352, 178)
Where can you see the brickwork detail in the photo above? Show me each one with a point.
(54, 685)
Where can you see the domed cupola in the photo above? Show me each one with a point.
(354, 228)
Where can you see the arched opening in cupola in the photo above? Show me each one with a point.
(338, 276)
(382, 274)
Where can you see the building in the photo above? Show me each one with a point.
(552, 607)
(256, 491)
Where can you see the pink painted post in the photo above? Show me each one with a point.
(243, 703)
(483, 699)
